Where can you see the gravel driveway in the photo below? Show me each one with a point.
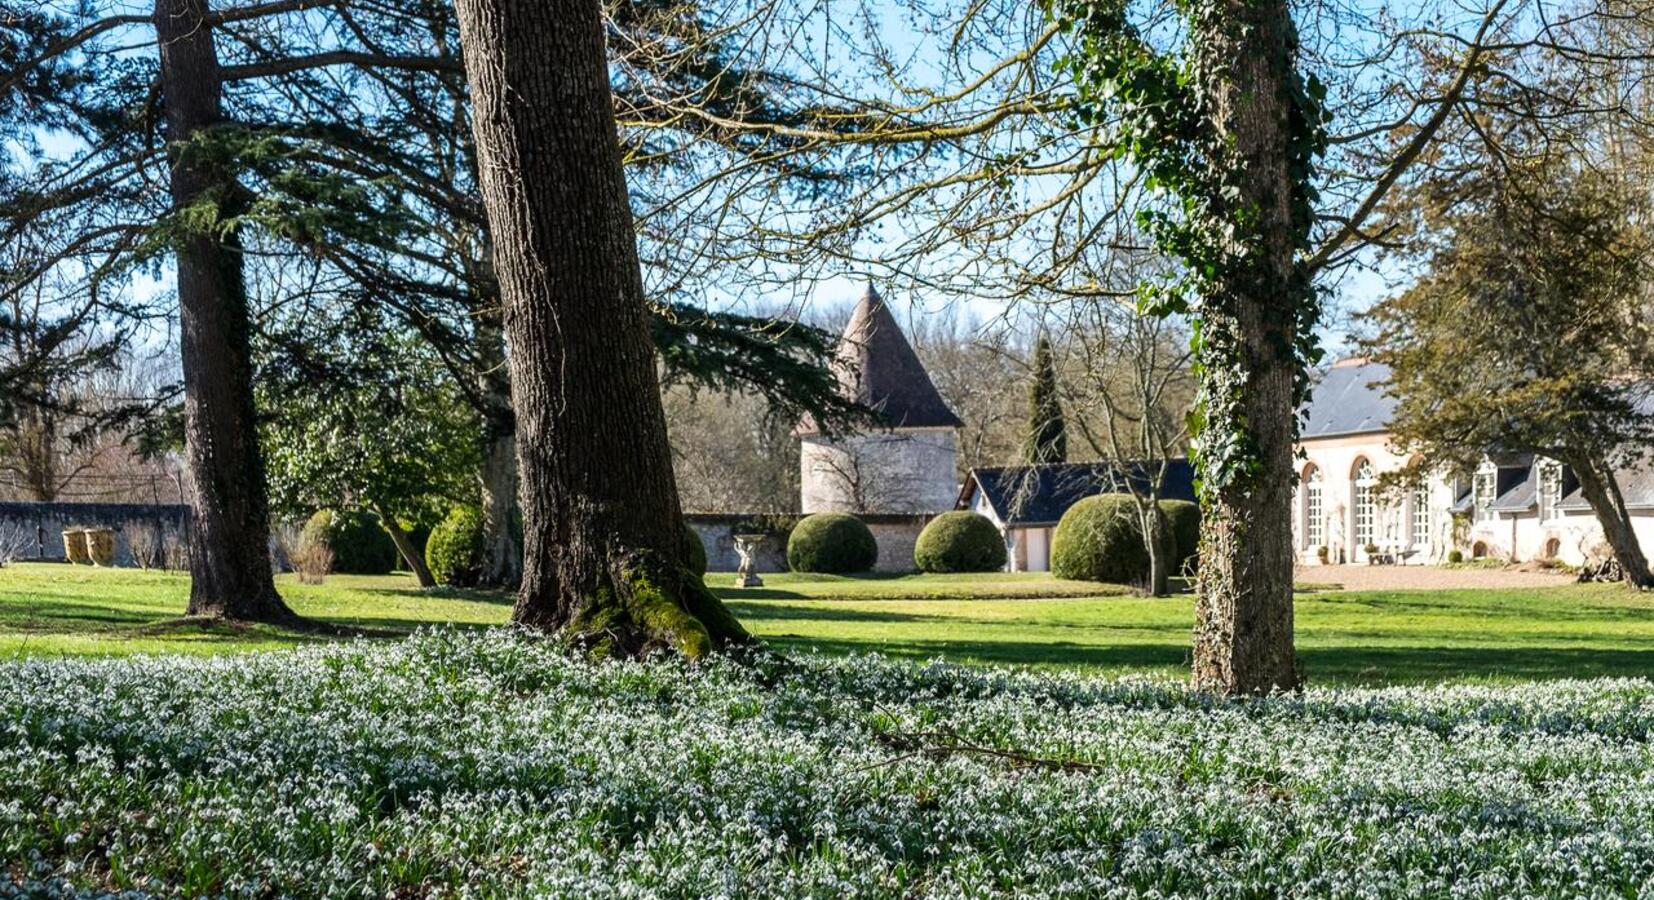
(1424, 578)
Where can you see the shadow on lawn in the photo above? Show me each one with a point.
(784, 612)
(1321, 665)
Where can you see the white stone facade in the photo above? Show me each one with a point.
(1339, 505)
(1518, 512)
(904, 471)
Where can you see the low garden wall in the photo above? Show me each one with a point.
(896, 535)
(141, 529)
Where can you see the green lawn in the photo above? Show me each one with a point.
(1373, 637)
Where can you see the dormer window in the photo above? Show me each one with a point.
(1485, 488)
(1550, 489)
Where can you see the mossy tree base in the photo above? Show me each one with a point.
(647, 606)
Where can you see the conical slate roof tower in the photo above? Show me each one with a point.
(877, 366)
(907, 466)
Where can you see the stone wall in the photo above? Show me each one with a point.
(895, 534)
(44, 523)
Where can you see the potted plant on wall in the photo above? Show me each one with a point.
(1324, 554)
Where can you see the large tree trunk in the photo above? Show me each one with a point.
(1602, 490)
(230, 532)
(1243, 613)
(602, 532)
(502, 552)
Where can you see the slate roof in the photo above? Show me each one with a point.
(1519, 494)
(1636, 484)
(1039, 495)
(1345, 400)
(878, 368)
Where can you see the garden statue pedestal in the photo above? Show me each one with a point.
(746, 546)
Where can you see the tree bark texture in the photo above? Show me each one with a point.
(230, 532)
(1245, 54)
(1601, 489)
(602, 531)
(502, 547)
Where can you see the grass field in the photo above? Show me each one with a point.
(1029, 619)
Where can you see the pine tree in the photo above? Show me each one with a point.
(1047, 439)
(602, 535)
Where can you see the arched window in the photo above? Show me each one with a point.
(1421, 516)
(1364, 506)
(1314, 528)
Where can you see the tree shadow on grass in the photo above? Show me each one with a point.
(786, 612)
(1392, 665)
(1327, 665)
(443, 592)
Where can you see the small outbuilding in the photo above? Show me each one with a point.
(1026, 502)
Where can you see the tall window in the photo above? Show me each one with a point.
(1484, 485)
(1315, 525)
(1365, 512)
(1550, 489)
(1421, 515)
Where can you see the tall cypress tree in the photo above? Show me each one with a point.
(1047, 438)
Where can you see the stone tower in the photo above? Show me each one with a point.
(907, 466)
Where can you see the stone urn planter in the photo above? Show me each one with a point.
(100, 546)
(74, 546)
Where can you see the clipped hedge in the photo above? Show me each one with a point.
(694, 552)
(456, 552)
(832, 544)
(959, 541)
(1099, 539)
(360, 545)
(1183, 524)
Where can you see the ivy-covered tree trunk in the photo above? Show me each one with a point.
(1244, 57)
(602, 542)
(230, 573)
(1601, 489)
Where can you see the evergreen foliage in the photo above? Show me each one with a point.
(1529, 330)
(1100, 539)
(833, 544)
(455, 551)
(959, 541)
(360, 544)
(1047, 437)
(1182, 523)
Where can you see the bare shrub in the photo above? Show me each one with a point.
(175, 553)
(143, 539)
(311, 559)
(15, 544)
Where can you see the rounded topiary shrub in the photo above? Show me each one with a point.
(694, 552)
(456, 551)
(831, 543)
(960, 541)
(1100, 539)
(1183, 525)
(360, 545)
